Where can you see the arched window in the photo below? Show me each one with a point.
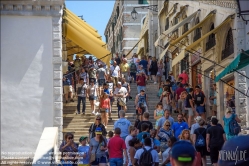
(197, 31)
(211, 39)
(167, 24)
(185, 26)
(229, 47)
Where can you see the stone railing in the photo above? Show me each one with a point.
(228, 4)
(46, 153)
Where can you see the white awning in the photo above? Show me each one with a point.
(175, 27)
(163, 53)
(178, 58)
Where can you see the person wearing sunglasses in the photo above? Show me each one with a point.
(69, 145)
(164, 135)
(95, 125)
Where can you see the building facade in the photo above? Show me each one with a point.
(204, 37)
(31, 54)
(122, 32)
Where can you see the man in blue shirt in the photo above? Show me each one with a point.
(145, 64)
(123, 124)
(145, 129)
(67, 86)
(179, 126)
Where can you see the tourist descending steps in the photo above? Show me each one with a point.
(104, 107)
(93, 94)
(82, 94)
(84, 75)
(102, 77)
(158, 113)
(83, 152)
(96, 124)
(121, 93)
(179, 126)
(67, 86)
(145, 120)
(133, 134)
(98, 146)
(164, 135)
(164, 118)
(134, 144)
(141, 81)
(166, 153)
(142, 98)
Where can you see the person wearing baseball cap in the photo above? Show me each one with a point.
(238, 148)
(83, 150)
(182, 153)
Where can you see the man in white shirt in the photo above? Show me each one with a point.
(147, 146)
(121, 93)
(115, 72)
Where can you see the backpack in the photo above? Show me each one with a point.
(133, 68)
(200, 141)
(234, 127)
(146, 158)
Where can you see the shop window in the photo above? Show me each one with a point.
(142, 2)
(229, 47)
(211, 39)
(197, 30)
(167, 24)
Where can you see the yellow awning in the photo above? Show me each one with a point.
(83, 24)
(163, 53)
(178, 58)
(193, 28)
(227, 20)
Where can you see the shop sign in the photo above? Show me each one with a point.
(195, 58)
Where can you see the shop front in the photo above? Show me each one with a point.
(196, 69)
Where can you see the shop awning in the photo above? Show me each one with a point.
(241, 61)
(178, 58)
(227, 20)
(193, 28)
(175, 27)
(84, 38)
(163, 53)
(81, 23)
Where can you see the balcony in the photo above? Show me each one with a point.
(227, 52)
(197, 36)
(210, 43)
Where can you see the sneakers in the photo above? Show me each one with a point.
(97, 113)
(83, 113)
(72, 100)
(155, 82)
(93, 112)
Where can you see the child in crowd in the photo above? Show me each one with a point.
(158, 113)
(185, 136)
(83, 150)
(160, 91)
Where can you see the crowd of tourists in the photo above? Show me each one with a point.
(178, 141)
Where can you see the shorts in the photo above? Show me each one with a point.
(99, 160)
(67, 88)
(189, 111)
(214, 107)
(149, 73)
(111, 99)
(180, 105)
(104, 110)
(115, 80)
(101, 82)
(92, 79)
(200, 109)
(94, 98)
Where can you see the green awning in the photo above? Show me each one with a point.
(242, 60)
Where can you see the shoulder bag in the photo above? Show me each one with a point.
(93, 155)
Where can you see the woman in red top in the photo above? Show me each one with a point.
(104, 106)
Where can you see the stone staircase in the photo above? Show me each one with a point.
(79, 124)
